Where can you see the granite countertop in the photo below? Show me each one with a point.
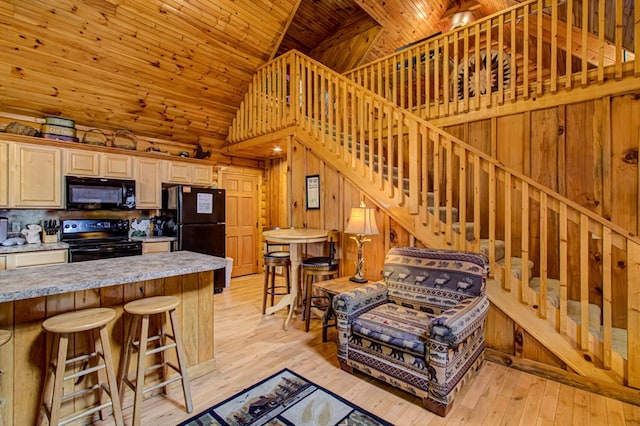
(153, 239)
(32, 247)
(40, 281)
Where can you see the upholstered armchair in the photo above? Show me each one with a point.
(421, 328)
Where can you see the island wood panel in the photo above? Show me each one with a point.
(26, 352)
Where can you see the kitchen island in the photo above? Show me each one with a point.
(29, 296)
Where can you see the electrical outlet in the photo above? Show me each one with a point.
(15, 226)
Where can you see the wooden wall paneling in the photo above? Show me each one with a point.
(205, 315)
(351, 197)
(534, 351)
(297, 178)
(314, 218)
(562, 150)
(190, 321)
(28, 361)
(624, 162)
(374, 259)
(544, 169)
(7, 378)
(625, 191)
(499, 331)
(479, 136)
(113, 297)
(332, 197)
(583, 176)
(510, 129)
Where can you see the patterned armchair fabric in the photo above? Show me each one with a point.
(422, 327)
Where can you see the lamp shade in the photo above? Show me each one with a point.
(362, 221)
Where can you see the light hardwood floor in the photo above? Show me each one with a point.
(250, 347)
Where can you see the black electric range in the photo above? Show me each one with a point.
(91, 239)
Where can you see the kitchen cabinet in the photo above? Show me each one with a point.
(97, 164)
(81, 163)
(116, 166)
(36, 258)
(156, 247)
(3, 263)
(186, 173)
(148, 183)
(36, 176)
(4, 174)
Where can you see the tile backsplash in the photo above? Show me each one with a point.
(19, 219)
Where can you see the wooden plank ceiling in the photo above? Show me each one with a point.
(178, 69)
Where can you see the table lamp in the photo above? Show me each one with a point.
(362, 222)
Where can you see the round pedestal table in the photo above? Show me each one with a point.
(295, 237)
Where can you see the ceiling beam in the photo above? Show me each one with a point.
(284, 30)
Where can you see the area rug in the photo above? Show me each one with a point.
(285, 398)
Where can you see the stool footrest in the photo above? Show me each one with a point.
(162, 384)
(82, 358)
(82, 391)
(84, 372)
(85, 413)
(161, 348)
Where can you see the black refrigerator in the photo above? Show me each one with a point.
(199, 215)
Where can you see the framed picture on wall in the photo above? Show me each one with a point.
(313, 192)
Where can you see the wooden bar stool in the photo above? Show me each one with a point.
(94, 321)
(271, 262)
(138, 340)
(275, 254)
(318, 268)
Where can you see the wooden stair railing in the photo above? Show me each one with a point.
(450, 195)
(444, 76)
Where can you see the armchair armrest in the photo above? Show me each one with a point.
(455, 324)
(362, 299)
(352, 303)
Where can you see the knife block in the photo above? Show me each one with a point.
(49, 238)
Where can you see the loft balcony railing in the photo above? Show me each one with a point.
(449, 194)
(534, 48)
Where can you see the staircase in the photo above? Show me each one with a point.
(449, 195)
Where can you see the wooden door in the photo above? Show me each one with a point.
(242, 219)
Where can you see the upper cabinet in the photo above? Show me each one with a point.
(36, 176)
(148, 184)
(4, 174)
(97, 164)
(81, 163)
(187, 173)
(116, 166)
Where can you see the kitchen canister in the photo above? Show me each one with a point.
(59, 121)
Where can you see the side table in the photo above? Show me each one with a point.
(332, 288)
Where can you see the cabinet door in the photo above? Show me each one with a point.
(81, 163)
(36, 176)
(148, 186)
(117, 166)
(177, 172)
(4, 174)
(201, 175)
(156, 247)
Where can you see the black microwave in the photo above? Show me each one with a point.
(100, 194)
